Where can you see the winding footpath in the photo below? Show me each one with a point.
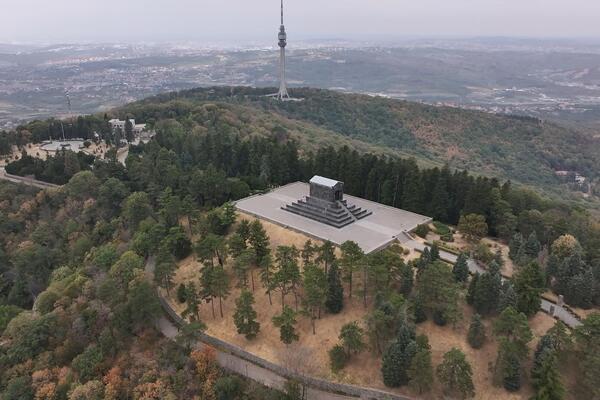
(24, 180)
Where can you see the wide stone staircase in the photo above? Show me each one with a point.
(338, 214)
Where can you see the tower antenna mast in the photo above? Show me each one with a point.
(283, 94)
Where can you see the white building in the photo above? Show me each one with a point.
(120, 124)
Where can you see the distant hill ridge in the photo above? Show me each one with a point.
(522, 149)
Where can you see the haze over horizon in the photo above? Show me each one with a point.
(240, 20)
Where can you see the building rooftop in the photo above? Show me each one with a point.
(319, 180)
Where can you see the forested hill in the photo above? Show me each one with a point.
(523, 149)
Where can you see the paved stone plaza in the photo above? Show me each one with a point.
(374, 232)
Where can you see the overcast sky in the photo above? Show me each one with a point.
(246, 20)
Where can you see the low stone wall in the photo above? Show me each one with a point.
(344, 391)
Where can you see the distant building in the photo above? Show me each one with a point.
(138, 129)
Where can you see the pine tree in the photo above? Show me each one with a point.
(508, 297)
(286, 322)
(308, 252)
(315, 292)
(455, 374)
(338, 357)
(407, 278)
(512, 373)
(434, 253)
(351, 337)
(335, 291)
(181, 293)
(192, 302)
(242, 266)
(529, 285)
(164, 273)
(258, 239)
(326, 255)
(546, 378)
(420, 371)
(245, 316)
(487, 292)
(515, 245)
(352, 255)
(472, 288)
(532, 246)
(461, 269)
(220, 286)
(396, 362)
(476, 334)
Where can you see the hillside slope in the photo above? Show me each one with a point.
(523, 149)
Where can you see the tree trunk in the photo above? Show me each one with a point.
(221, 305)
(296, 299)
(212, 305)
(252, 279)
(312, 317)
(365, 286)
(282, 300)
(350, 286)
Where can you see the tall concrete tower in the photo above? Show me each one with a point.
(283, 93)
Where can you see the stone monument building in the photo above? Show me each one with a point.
(326, 204)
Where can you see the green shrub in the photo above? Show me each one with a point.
(337, 358)
(422, 230)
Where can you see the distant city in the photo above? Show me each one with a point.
(556, 80)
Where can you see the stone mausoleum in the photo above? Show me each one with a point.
(326, 204)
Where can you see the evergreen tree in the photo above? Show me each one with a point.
(476, 334)
(508, 297)
(286, 322)
(245, 316)
(461, 269)
(164, 273)
(438, 291)
(434, 253)
(242, 266)
(326, 255)
(220, 286)
(315, 292)
(396, 362)
(456, 375)
(529, 285)
(192, 302)
(487, 292)
(258, 239)
(236, 245)
(512, 373)
(338, 357)
(546, 378)
(515, 245)
(472, 288)
(335, 291)
(420, 371)
(580, 290)
(352, 255)
(407, 277)
(532, 246)
(308, 252)
(181, 293)
(351, 337)
(288, 272)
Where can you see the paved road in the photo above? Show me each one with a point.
(547, 306)
(25, 181)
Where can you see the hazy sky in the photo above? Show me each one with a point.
(197, 20)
